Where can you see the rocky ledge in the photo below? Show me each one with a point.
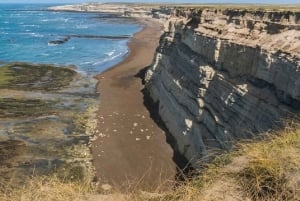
(47, 118)
(220, 75)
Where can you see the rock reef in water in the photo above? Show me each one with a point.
(46, 120)
(220, 75)
(65, 39)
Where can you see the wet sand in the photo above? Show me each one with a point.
(130, 151)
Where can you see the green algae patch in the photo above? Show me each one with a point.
(27, 76)
(10, 107)
(5, 76)
(10, 149)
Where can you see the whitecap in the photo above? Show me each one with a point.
(43, 54)
(30, 25)
(110, 53)
(86, 63)
(81, 27)
(34, 34)
(38, 35)
(107, 59)
(51, 44)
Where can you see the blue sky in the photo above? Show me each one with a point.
(149, 1)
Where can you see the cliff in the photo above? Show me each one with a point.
(221, 75)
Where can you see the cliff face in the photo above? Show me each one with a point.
(223, 75)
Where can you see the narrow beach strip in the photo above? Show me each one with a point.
(130, 151)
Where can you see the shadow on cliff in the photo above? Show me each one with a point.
(183, 169)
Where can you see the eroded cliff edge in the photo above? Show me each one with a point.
(223, 75)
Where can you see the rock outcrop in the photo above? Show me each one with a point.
(224, 75)
(141, 10)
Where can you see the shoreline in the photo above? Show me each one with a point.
(128, 53)
(131, 151)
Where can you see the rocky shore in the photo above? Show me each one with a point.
(49, 119)
(47, 115)
(218, 76)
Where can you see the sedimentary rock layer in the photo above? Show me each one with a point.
(223, 75)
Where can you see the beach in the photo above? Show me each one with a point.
(131, 150)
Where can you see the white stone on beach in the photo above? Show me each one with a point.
(135, 124)
(189, 123)
(148, 137)
(137, 139)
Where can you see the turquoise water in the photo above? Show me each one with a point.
(26, 32)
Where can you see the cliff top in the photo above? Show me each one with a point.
(248, 7)
(272, 30)
(150, 6)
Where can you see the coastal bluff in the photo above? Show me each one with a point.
(221, 75)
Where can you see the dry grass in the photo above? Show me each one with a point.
(267, 169)
(264, 170)
(273, 172)
(47, 188)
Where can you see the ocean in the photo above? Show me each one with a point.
(92, 42)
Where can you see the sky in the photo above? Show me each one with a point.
(151, 1)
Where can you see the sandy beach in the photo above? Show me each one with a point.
(131, 149)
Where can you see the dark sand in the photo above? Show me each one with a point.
(131, 150)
